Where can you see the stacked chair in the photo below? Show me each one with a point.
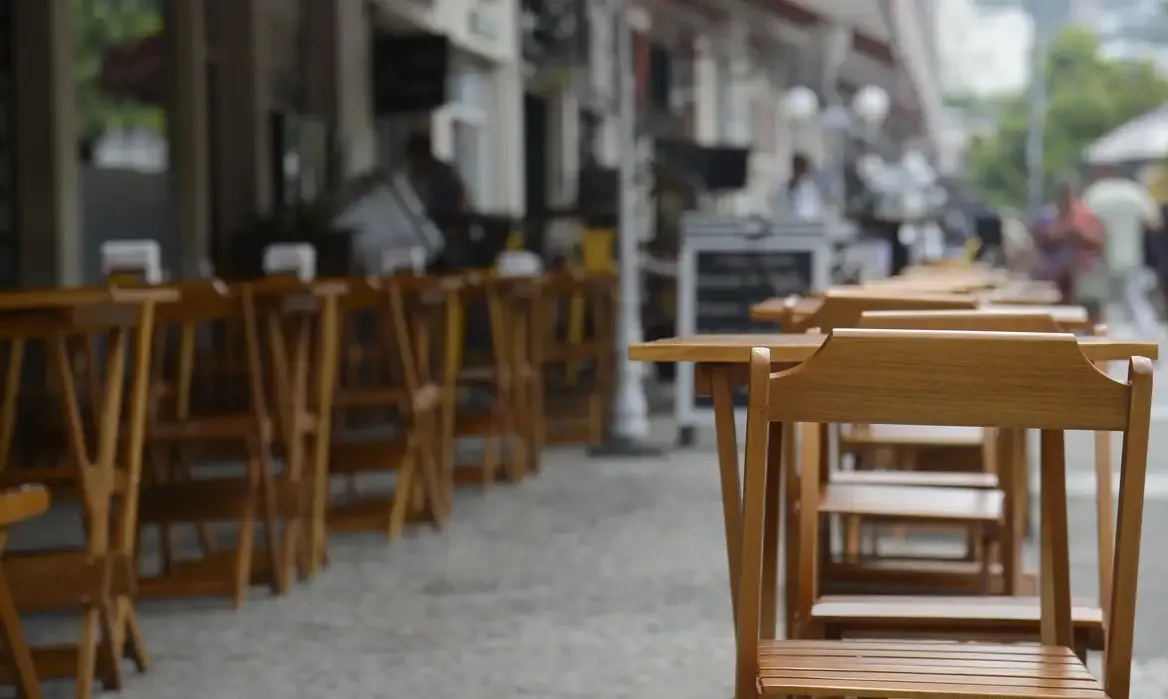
(911, 421)
(1000, 381)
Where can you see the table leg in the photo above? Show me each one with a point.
(1011, 476)
(129, 630)
(329, 331)
(770, 536)
(722, 389)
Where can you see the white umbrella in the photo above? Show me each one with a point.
(1142, 138)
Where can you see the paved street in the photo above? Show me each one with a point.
(596, 579)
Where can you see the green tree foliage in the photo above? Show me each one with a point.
(1088, 96)
(100, 25)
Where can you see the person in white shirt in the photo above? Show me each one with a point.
(1124, 209)
(803, 198)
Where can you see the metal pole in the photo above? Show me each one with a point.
(630, 423)
(1036, 172)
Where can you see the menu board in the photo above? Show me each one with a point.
(728, 283)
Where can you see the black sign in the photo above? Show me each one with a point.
(409, 72)
(727, 284)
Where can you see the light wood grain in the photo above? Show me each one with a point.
(787, 349)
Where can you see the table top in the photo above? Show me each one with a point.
(777, 310)
(792, 348)
(65, 298)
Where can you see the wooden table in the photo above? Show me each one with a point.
(98, 578)
(721, 365)
(797, 310)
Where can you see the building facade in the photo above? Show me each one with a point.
(714, 72)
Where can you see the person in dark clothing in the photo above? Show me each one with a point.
(443, 194)
(436, 181)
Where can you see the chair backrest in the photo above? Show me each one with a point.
(208, 350)
(843, 309)
(1007, 320)
(982, 379)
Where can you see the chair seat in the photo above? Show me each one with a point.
(922, 669)
(912, 502)
(974, 613)
(934, 479)
(912, 436)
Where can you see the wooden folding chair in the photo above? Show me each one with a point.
(997, 380)
(958, 617)
(17, 506)
(977, 507)
(84, 443)
(560, 353)
(504, 372)
(211, 407)
(390, 375)
(301, 325)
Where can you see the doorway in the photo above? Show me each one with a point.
(535, 169)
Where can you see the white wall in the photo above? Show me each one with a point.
(737, 104)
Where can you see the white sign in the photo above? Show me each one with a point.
(291, 258)
(142, 258)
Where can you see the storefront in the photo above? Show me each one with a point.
(479, 129)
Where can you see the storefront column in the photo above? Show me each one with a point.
(186, 122)
(242, 168)
(338, 80)
(47, 187)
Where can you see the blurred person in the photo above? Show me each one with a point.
(1124, 209)
(1072, 242)
(804, 200)
(1155, 178)
(443, 194)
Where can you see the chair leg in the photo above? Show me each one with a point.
(28, 685)
(402, 497)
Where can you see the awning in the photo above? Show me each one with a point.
(1142, 138)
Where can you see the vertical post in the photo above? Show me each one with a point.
(243, 177)
(630, 424)
(1036, 131)
(186, 123)
(47, 186)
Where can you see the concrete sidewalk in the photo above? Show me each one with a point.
(594, 579)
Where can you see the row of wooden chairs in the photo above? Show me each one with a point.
(258, 418)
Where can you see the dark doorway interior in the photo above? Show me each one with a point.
(535, 164)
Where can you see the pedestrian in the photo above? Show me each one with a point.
(1072, 242)
(1155, 178)
(1124, 209)
(804, 201)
